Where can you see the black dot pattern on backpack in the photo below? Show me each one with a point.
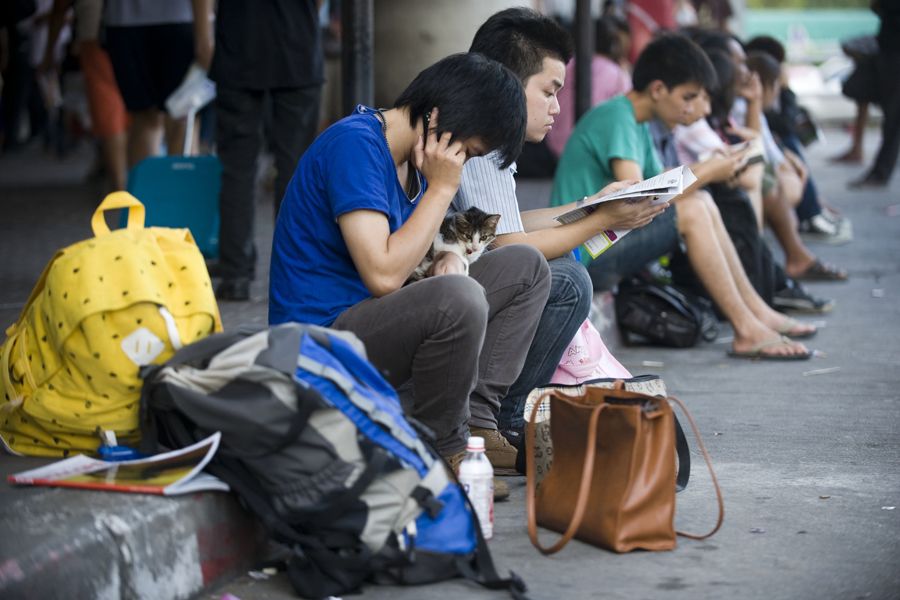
(183, 268)
(119, 257)
(88, 404)
(100, 278)
(113, 375)
(97, 355)
(139, 321)
(86, 301)
(75, 270)
(115, 336)
(65, 453)
(124, 292)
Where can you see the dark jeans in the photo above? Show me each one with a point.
(239, 115)
(461, 340)
(567, 307)
(888, 64)
(632, 253)
(809, 203)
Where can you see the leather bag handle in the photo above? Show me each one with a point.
(118, 200)
(712, 473)
(584, 488)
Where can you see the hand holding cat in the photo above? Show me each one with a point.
(439, 160)
(448, 263)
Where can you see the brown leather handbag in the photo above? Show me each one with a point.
(612, 483)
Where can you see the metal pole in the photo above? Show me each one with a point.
(584, 53)
(357, 73)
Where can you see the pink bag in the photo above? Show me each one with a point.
(587, 358)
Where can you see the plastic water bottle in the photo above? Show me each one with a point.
(477, 478)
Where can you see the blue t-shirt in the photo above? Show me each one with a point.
(312, 278)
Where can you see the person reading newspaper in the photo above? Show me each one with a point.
(613, 142)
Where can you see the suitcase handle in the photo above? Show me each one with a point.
(118, 200)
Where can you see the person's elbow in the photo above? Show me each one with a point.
(382, 284)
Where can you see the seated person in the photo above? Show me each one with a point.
(361, 212)
(536, 48)
(818, 221)
(612, 142)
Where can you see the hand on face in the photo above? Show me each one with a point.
(439, 159)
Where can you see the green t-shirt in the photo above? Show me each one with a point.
(608, 131)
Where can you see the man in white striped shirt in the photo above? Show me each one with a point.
(537, 49)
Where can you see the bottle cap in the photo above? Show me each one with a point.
(475, 444)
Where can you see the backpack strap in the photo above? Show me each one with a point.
(481, 569)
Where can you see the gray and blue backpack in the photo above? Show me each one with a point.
(316, 445)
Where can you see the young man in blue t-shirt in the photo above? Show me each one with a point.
(360, 213)
(612, 142)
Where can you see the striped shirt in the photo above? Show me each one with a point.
(492, 189)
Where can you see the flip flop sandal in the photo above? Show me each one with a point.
(820, 271)
(756, 352)
(790, 324)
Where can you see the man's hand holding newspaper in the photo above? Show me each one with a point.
(659, 189)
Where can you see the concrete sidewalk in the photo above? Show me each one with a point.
(808, 454)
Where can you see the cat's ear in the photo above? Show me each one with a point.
(491, 221)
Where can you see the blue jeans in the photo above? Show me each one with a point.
(567, 307)
(632, 253)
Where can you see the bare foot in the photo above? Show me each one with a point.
(853, 155)
(783, 325)
(766, 340)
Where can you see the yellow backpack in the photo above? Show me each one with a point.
(102, 309)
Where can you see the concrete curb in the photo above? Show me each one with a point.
(79, 544)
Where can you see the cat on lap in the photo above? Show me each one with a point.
(465, 234)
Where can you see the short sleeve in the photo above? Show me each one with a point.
(355, 175)
(485, 185)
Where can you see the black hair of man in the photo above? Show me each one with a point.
(765, 65)
(769, 45)
(722, 97)
(608, 38)
(521, 38)
(475, 97)
(675, 60)
(709, 39)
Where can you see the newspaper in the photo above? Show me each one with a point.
(168, 474)
(661, 189)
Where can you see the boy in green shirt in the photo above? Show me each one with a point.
(613, 142)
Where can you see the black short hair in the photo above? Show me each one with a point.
(476, 97)
(769, 45)
(765, 65)
(521, 38)
(607, 37)
(675, 60)
(722, 97)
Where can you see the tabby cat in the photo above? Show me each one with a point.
(465, 234)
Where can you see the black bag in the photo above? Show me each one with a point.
(662, 314)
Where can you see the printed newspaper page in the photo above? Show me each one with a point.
(661, 188)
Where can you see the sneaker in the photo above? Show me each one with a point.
(826, 229)
(795, 297)
(501, 490)
(499, 451)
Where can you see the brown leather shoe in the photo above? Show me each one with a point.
(501, 490)
(499, 451)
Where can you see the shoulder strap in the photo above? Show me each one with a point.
(584, 488)
(684, 456)
(712, 474)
